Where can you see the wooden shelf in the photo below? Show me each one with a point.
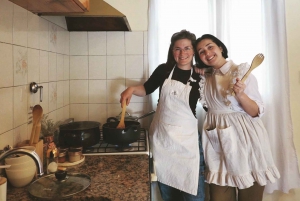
(54, 6)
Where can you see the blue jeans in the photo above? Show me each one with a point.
(169, 193)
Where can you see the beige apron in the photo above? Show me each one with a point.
(174, 138)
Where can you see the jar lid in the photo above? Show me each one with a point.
(74, 152)
(52, 153)
(72, 184)
(62, 153)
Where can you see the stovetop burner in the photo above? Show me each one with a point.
(141, 146)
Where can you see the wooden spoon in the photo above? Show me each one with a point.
(257, 60)
(37, 113)
(121, 124)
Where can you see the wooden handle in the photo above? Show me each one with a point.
(121, 124)
(32, 133)
(37, 133)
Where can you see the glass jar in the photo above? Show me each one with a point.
(52, 160)
(74, 155)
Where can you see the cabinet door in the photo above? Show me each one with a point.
(53, 6)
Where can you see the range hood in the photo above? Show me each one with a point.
(100, 17)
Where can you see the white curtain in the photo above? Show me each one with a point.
(246, 28)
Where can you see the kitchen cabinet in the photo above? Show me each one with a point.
(53, 6)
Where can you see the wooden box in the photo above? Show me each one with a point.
(38, 147)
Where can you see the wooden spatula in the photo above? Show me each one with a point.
(257, 60)
(38, 129)
(121, 124)
(37, 113)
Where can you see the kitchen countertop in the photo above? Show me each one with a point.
(113, 178)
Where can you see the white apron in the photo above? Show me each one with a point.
(174, 138)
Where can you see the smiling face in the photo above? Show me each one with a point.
(210, 53)
(183, 53)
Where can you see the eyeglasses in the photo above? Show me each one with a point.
(177, 50)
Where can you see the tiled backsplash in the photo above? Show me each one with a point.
(82, 73)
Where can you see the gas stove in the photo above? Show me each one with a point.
(141, 146)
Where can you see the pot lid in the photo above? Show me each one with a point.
(49, 187)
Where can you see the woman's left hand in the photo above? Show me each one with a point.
(200, 71)
(238, 87)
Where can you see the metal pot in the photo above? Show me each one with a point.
(113, 135)
(79, 134)
(131, 133)
(128, 116)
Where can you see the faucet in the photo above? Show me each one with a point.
(28, 150)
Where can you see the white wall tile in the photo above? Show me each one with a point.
(134, 43)
(66, 112)
(80, 112)
(20, 65)
(6, 138)
(67, 43)
(60, 114)
(79, 91)
(6, 65)
(52, 115)
(115, 67)
(97, 91)
(53, 37)
(97, 67)
(66, 92)
(60, 40)
(78, 43)
(33, 66)
(52, 66)
(115, 43)
(6, 19)
(52, 96)
(44, 34)
(97, 43)
(20, 105)
(44, 66)
(114, 89)
(6, 112)
(79, 67)
(134, 66)
(20, 134)
(60, 94)
(59, 67)
(146, 67)
(145, 42)
(113, 109)
(97, 112)
(66, 67)
(20, 26)
(45, 102)
(58, 20)
(135, 82)
(33, 30)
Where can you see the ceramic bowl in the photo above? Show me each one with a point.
(17, 159)
(21, 166)
(20, 178)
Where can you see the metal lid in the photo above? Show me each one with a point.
(49, 187)
(128, 117)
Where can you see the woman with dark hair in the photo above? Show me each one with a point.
(236, 147)
(174, 137)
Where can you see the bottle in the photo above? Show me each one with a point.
(52, 160)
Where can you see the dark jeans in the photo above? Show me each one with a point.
(169, 193)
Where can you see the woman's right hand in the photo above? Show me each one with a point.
(126, 95)
(134, 90)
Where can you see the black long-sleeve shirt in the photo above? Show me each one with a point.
(161, 73)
